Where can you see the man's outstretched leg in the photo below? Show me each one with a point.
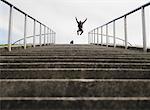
(81, 32)
(77, 32)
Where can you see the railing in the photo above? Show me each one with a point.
(50, 34)
(49, 41)
(95, 32)
(109, 36)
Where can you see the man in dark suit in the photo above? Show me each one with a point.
(80, 26)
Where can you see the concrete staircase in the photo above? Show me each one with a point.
(74, 77)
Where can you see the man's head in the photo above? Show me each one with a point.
(80, 22)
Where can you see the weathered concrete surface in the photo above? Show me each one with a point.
(72, 73)
(76, 65)
(75, 88)
(74, 77)
(75, 105)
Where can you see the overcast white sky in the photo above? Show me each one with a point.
(60, 15)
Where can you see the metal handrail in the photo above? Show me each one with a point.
(21, 11)
(145, 5)
(29, 37)
(142, 8)
(112, 37)
(49, 31)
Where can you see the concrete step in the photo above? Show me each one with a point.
(80, 55)
(73, 51)
(74, 73)
(76, 103)
(75, 48)
(75, 65)
(75, 88)
(78, 49)
(77, 57)
(74, 77)
(46, 60)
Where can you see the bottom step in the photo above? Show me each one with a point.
(76, 103)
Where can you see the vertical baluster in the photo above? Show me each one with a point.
(144, 30)
(91, 37)
(88, 38)
(125, 32)
(44, 35)
(10, 27)
(94, 36)
(25, 32)
(54, 37)
(114, 33)
(40, 34)
(101, 35)
(50, 36)
(107, 35)
(97, 36)
(34, 33)
(47, 36)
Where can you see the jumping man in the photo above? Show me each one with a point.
(80, 26)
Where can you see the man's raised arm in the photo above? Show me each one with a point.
(84, 20)
(76, 19)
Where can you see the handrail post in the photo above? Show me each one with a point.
(44, 35)
(88, 38)
(114, 33)
(125, 32)
(10, 27)
(101, 36)
(106, 35)
(40, 33)
(34, 33)
(25, 31)
(50, 36)
(144, 30)
(94, 36)
(91, 37)
(54, 37)
(97, 36)
(47, 35)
